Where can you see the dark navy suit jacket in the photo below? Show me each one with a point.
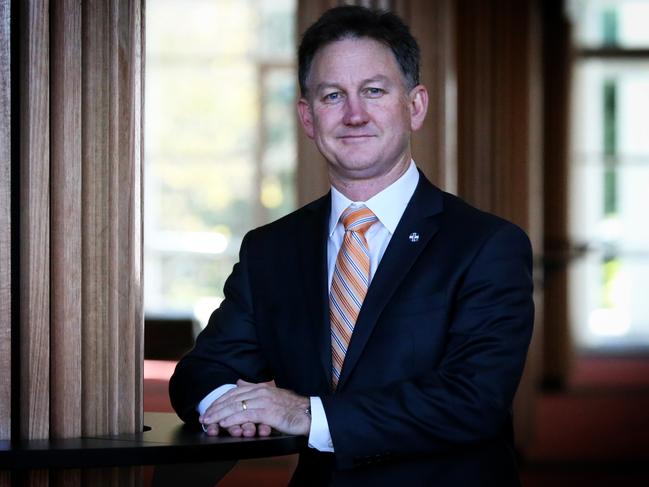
(434, 361)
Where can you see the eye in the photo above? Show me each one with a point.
(372, 92)
(332, 97)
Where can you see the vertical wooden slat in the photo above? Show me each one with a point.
(34, 220)
(112, 353)
(139, 228)
(66, 219)
(5, 222)
(130, 321)
(99, 316)
(112, 216)
(557, 341)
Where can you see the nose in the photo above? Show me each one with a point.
(355, 113)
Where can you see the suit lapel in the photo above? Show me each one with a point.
(312, 250)
(417, 226)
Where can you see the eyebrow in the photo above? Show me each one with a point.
(331, 84)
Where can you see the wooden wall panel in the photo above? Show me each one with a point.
(499, 135)
(34, 220)
(66, 219)
(5, 222)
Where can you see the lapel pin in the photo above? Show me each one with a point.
(413, 237)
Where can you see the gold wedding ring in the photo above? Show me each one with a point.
(244, 406)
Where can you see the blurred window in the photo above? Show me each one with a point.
(220, 141)
(609, 210)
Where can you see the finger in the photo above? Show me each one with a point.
(241, 404)
(212, 430)
(245, 399)
(249, 429)
(251, 416)
(224, 410)
(220, 400)
(263, 430)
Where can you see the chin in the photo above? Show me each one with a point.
(357, 161)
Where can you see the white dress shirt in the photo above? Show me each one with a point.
(388, 205)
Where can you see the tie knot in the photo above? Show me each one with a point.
(358, 219)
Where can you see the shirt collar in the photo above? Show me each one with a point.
(388, 205)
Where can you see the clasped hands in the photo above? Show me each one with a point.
(253, 409)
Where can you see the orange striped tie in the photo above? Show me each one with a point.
(349, 283)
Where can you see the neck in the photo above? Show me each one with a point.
(364, 189)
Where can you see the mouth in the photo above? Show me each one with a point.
(355, 137)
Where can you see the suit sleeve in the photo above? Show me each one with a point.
(226, 350)
(467, 398)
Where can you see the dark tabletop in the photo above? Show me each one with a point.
(167, 441)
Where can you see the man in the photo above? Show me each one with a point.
(387, 321)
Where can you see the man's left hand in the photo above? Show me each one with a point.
(262, 404)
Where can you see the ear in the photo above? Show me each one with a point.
(418, 106)
(306, 117)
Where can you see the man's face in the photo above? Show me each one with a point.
(358, 110)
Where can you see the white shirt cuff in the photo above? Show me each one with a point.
(319, 436)
(211, 397)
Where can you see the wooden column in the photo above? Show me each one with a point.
(34, 224)
(78, 152)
